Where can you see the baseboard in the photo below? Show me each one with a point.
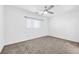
(64, 39)
(35, 38)
(1, 48)
(13, 42)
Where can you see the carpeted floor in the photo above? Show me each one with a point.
(43, 45)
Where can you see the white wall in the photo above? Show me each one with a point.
(63, 25)
(1, 27)
(16, 29)
(66, 25)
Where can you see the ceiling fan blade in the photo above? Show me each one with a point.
(50, 12)
(50, 7)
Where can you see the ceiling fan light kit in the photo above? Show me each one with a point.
(47, 10)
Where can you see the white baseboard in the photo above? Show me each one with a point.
(25, 39)
(70, 39)
(1, 48)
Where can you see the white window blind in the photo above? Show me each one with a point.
(31, 23)
(28, 23)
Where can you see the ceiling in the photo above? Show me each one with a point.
(37, 9)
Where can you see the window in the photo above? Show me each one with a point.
(36, 24)
(28, 23)
(32, 23)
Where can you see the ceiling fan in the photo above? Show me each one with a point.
(47, 10)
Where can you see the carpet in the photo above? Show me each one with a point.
(43, 45)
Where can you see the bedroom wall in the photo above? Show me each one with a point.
(66, 25)
(16, 28)
(63, 25)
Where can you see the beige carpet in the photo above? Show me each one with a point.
(43, 45)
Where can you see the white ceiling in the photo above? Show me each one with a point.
(57, 9)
